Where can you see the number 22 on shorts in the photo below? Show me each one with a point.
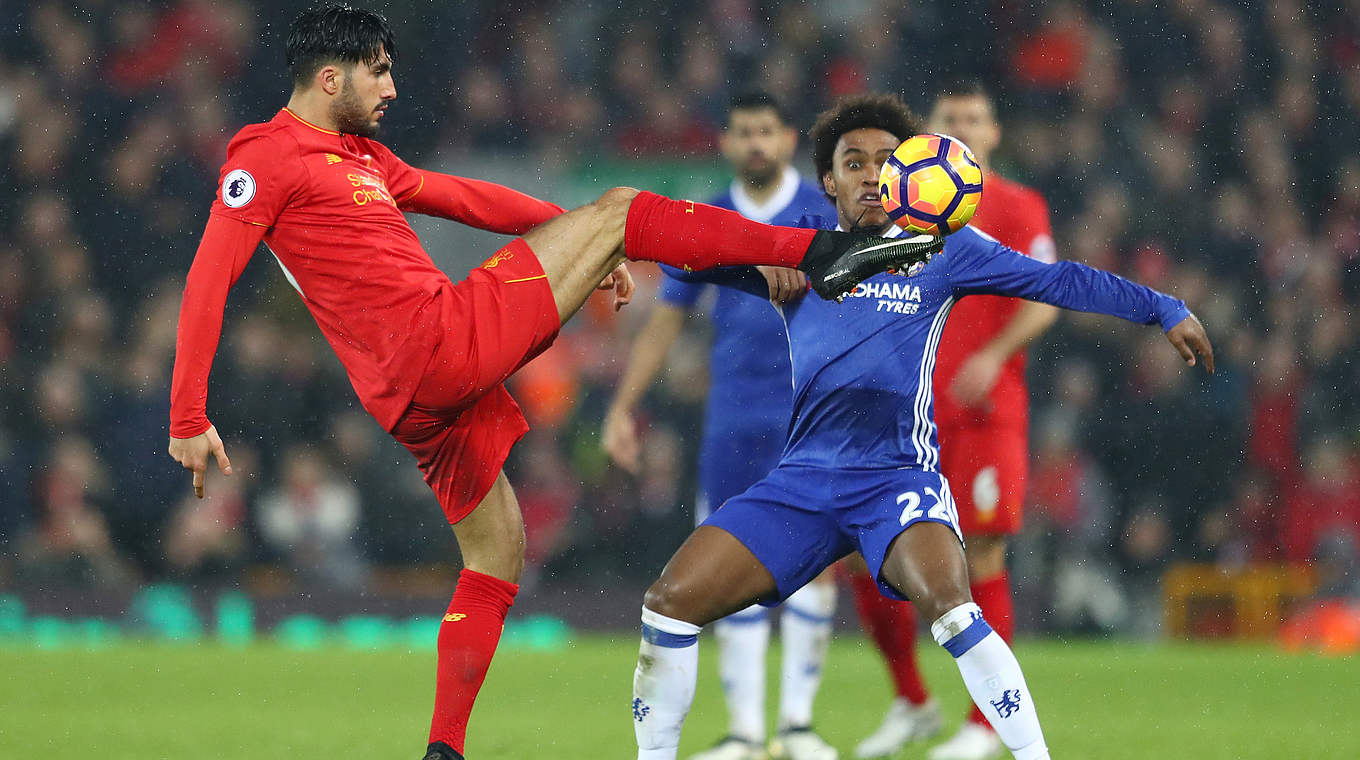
(914, 510)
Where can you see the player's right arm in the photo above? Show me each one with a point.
(678, 294)
(675, 297)
(222, 255)
(679, 291)
(620, 437)
(259, 178)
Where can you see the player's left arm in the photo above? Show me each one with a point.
(476, 203)
(979, 264)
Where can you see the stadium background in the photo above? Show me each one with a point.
(1206, 148)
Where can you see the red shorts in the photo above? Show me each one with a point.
(987, 467)
(462, 422)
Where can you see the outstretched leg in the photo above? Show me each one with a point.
(579, 248)
(926, 564)
(711, 576)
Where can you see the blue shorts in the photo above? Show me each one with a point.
(798, 520)
(732, 461)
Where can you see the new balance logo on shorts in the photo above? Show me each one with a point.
(454, 617)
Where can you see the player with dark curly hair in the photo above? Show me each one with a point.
(746, 416)
(877, 111)
(861, 469)
(982, 408)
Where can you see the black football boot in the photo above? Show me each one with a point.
(837, 261)
(441, 751)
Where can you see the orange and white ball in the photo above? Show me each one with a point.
(931, 184)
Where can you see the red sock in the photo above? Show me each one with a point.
(691, 236)
(467, 640)
(993, 596)
(892, 625)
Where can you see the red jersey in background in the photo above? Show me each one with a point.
(984, 450)
(1018, 217)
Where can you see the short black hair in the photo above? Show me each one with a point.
(334, 32)
(755, 99)
(883, 111)
(963, 88)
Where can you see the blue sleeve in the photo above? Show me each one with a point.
(745, 279)
(978, 264)
(677, 291)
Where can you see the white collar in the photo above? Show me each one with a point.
(764, 212)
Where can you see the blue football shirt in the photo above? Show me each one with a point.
(862, 368)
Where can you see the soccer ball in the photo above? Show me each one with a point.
(931, 184)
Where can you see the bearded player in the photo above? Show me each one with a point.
(982, 408)
(860, 472)
(745, 421)
(426, 357)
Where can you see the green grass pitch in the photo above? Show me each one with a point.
(1097, 700)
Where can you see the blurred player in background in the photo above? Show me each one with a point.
(982, 408)
(428, 358)
(860, 471)
(745, 424)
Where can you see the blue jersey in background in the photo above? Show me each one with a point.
(750, 393)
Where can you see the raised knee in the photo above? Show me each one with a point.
(617, 196)
(659, 599)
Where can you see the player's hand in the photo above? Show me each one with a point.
(785, 284)
(193, 453)
(620, 439)
(1189, 338)
(621, 281)
(976, 378)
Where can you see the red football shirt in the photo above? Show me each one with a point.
(329, 207)
(1018, 217)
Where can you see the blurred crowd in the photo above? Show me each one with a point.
(1206, 148)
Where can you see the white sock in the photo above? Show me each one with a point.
(663, 684)
(806, 632)
(743, 639)
(993, 677)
